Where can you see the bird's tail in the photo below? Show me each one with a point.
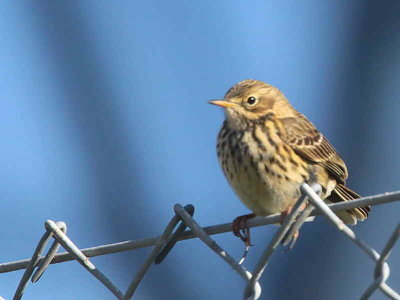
(342, 193)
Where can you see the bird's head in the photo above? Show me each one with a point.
(250, 100)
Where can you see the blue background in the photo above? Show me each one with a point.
(105, 125)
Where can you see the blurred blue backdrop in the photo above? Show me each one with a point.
(105, 125)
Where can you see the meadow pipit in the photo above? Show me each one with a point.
(267, 148)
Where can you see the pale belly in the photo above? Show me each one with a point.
(262, 193)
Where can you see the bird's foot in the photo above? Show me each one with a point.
(285, 213)
(295, 235)
(292, 242)
(240, 230)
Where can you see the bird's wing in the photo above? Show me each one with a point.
(302, 136)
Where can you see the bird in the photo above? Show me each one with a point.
(267, 149)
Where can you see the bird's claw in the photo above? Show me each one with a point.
(240, 230)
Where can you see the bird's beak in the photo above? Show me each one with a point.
(223, 103)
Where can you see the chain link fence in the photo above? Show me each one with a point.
(162, 245)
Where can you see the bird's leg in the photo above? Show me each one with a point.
(284, 214)
(240, 230)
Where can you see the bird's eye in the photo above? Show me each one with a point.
(251, 100)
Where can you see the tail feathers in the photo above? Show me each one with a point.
(342, 193)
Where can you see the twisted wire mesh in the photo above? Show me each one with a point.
(184, 215)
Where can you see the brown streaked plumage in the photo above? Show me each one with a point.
(267, 149)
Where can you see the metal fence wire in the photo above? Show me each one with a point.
(162, 245)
